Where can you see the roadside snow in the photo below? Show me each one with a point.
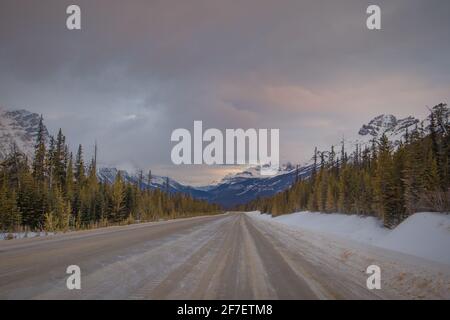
(425, 234)
(21, 235)
(358, 228)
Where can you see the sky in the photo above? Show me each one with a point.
(137, 70)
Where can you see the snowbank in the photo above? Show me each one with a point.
(425, 234)
(358, 228)
(21, 235)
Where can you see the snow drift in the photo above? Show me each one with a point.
(424, 234)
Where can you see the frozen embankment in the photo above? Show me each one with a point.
(425, 234)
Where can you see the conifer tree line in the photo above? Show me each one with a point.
(59, 191)
(390, 182)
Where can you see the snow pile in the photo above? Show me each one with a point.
(425, 234)
(358, 228)
(21, 235)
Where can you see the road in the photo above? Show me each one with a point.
(231, 256)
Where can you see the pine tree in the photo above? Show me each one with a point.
(10, 217)
(386, 192)
(314, 170)
(69, 188)
(413, 175)
(167, 185)
(117, 198)
(79, 167)
(39, 153)
(59, 160)
(330, 205)
(50, 162)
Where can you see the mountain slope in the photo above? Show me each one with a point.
(394, 128)
(157, 182)
(387, 124)
(18, 127)
(244, 187)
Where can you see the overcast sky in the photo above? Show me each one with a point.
(139, 69)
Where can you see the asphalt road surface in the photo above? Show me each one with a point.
(231, 256)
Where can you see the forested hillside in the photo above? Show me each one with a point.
(56, 191)
(378, 180)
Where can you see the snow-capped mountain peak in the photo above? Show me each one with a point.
(387, 124)
(19, 127)
(394, 128)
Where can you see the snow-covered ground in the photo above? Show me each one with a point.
(425, 235)
(21, 235)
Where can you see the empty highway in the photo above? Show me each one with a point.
(230, 256)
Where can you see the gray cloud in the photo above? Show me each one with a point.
(136, 71)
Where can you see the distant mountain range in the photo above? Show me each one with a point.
(231, 191)
(20, 127)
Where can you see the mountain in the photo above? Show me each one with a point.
(108, 174)
(394, 128)
(18, 127)
(231, 191)
(246, 186)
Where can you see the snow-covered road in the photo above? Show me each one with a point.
(231, 256)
